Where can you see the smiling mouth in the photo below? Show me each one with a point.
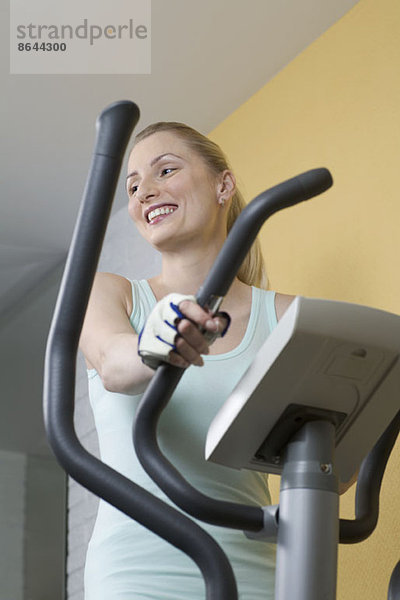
(154, 215)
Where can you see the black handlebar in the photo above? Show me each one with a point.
(114, 128)
(164, 382)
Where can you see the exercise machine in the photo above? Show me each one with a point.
(299, 443)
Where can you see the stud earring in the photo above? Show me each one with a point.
(221, 201)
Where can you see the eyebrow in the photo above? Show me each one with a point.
(154, 161)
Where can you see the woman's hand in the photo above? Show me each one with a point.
(178, 331)
(191, 342)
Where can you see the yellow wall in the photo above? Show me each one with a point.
(336, 105)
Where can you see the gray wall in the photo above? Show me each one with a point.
(125, 253)
(31, 530)
(12, 517)
(45, 503)
(32, 484)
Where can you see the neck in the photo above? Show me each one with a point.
(185, 273)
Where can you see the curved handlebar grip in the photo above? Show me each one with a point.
(167, 377)
(114, 128)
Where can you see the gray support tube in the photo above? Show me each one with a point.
(114, 128)
(158, 393)
(308, 517)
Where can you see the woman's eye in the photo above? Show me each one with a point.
(132, 190)
(167, 170)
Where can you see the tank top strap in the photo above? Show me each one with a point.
(265, 320)
(143, 301)
(269, 306)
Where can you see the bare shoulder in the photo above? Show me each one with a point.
(114, 288)
(282, 303)
(111, 280)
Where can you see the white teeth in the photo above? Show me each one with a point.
(164, 210)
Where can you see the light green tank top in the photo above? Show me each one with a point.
(124, 560)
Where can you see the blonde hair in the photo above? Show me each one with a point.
(252, 271)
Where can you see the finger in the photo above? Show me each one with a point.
(187, 352)
(177, 361)
(193, 336)
(207, 324)
(197, 314)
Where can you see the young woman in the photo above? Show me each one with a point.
(183, 199)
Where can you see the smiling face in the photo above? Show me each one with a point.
(172, 193)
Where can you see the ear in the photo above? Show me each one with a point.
(226, 187)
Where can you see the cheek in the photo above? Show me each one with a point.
(134, 210)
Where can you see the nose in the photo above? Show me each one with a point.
(147, 190)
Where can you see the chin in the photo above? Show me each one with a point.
(167, 242)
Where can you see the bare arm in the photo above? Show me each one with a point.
(108, 341)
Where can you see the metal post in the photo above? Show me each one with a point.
(308, 517)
